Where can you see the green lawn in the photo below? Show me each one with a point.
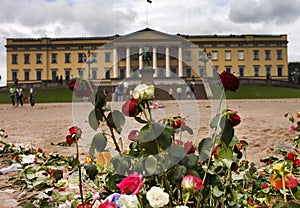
(44, 95)
(245, 92)
(262, 92)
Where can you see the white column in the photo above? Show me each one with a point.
(154, 62)
(140, 58)
(127, 62)
(115, 64)
(167, 62)
(180, 67)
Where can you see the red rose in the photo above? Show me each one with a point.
(264, 186)
(291, 156)
(129, 108)
(178, 122)
(85, 205)
(107, 204)
(69, 139)
(132, 184)
(81, 88)
(229, 81)
(189, 147)
(133, 135)
(296, 162)
(71, 84)
(75, 130)
(40, 150)
(233, 117)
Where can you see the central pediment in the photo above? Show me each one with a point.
(149, 37)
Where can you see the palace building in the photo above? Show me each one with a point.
(114, 58)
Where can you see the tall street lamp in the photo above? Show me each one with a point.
(89, 62)
(205, 57)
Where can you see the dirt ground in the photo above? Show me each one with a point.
(263, 126)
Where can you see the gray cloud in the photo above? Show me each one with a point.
(264, 11)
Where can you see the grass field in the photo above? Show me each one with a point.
(245, 92)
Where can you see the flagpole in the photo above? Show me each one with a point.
(147, 19)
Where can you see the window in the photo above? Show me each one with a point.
(174, 71)
(241, 71)
(202, 71)
(14, 74)
(54, 58)
(53, 74)
(256, 71)
(107, 57)
(228, 68)
(255, 55)
(38, 74)
(161, 56)
(267, 55)
(122, 73)
(14, 58)
(279, 71)
(227, 55)
(188, 71)
(94, 57)
(107, 73)
(39, 58)
(94, 73)
(26, 74)
(81, 57)
(135, 56)
(268, 71)
(67, 74)
(122, 54)
(26, 58)
(241, 55)
(188, 55)
(279, 54)
(80, 72)
(214, 55)
(67, 58)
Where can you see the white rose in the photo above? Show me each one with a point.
(128, 201)
(181, 206)
(144, 92)
(157, 197)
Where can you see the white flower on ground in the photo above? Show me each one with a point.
(144, 92)
(157, 197)
(181, 206)
(128, 201)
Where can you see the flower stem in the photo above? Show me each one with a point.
(79, 172)
(284, 189)
(187, 198)
(214, 137)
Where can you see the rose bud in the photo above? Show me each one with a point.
(233, 117)
(133, 135)
(129, 108)
(189, 147)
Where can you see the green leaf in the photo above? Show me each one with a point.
(177, 151)
(26, 205)
(93, 121)
(164, 140)
(214, 122)
(190, 160)
(100, 100)
(178, 172)
(224, 152)
(140, 120)
(121, 164)
(228, 133)
(91, 170)
(116, 120)
(99, 142)
(150, 164)
(292, 205)
(188, 129)
(217, 192)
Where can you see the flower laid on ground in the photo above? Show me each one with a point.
(157, 197)
(159, 167)
(81, 88)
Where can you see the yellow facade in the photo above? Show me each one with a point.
(115, 57)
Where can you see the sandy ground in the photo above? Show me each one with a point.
(263, 125)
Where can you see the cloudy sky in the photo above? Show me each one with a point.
(73, 18)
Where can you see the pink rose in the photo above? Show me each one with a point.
(107, 204)
(133, 135)
(191, 183)
(132, 184)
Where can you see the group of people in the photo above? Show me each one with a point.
(17, 96)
